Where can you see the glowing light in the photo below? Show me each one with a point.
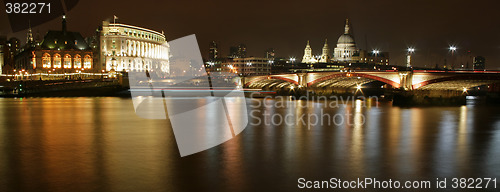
(358, 87)
(464, 90)
(453, 48)
(411, 50)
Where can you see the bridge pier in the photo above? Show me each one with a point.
(406, 80)
(302, 80)
(241, 81)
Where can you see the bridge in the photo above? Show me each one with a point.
(430, 80)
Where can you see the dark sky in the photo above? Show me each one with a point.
(429, 26)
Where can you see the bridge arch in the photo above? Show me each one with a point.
(475, 80)
(337, 75)
(270, 79)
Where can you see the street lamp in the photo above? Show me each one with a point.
(375, 52)
(411, 50)
(452, 49)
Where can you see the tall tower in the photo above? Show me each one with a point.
(29, 35)
(307, 54)
(213, 52)
(242, 50)
(325, 56)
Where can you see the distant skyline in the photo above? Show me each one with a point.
(429, 26)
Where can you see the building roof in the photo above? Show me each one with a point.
(346, 39)
(64, 40)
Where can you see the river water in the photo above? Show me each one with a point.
(99, 144)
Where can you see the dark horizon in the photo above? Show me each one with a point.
(430, 27)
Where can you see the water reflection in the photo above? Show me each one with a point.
(98, 144)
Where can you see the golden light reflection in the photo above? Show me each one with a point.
(358, 138)
(463, 140)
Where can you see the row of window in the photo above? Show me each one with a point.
(47, 61)
(140, 34)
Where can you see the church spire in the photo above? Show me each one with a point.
(325, 55)
(29, 35)
(347, 28)
(307, 54)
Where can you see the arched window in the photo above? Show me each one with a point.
(87, 62)
(57, 61)
(77, 63)
(46, 60)
(67, 61)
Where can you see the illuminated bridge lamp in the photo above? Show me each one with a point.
(411, 50)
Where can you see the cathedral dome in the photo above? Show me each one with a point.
(346, 39)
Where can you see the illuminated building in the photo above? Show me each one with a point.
(345, 52)
(325, 55)
(3, 48)
(242, 66)
(125, 47)
(308, 57)
(59, 52)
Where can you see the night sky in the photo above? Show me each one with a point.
(430, 26)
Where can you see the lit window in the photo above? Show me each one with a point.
(77, 62)
(67, 61)
(57, 61)
(87, 62)
(46, 60)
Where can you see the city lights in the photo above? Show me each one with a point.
(358, 87)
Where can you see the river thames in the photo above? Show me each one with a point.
(99, 144)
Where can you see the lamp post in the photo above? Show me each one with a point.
(375, 52)
(452, 49)
(408, 56)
